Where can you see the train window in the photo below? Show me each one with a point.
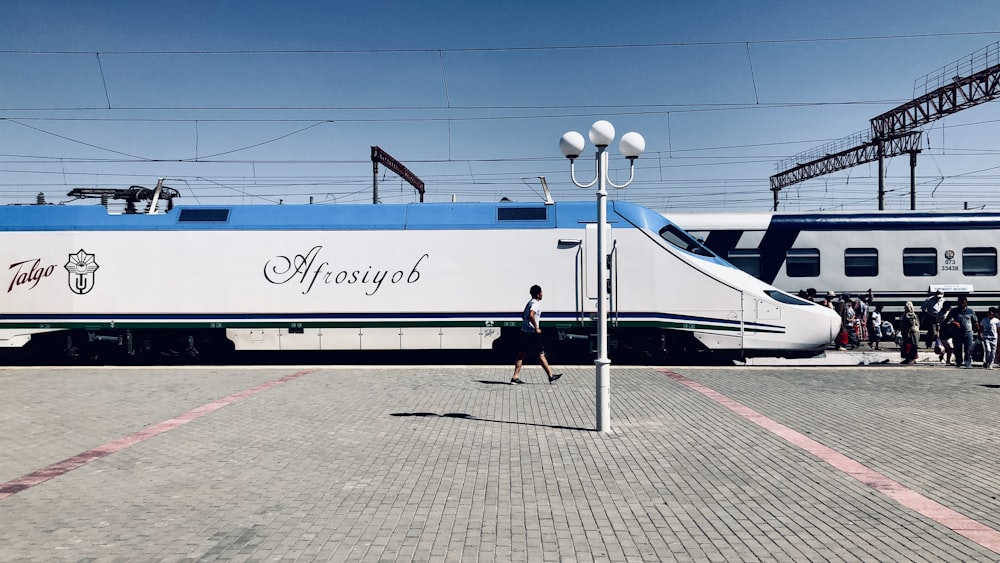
(919, 261)
(979, 261)
(746, 259)
(522, 214)
(684, 241)
(802, 262)
(192, 215)
(860, 262)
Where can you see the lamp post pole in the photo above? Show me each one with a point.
(602, 364)
(632, 145)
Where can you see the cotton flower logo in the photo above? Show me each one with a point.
(81, 267)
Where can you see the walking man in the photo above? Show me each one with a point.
(531, 338)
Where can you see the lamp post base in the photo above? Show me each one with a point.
(603, 373)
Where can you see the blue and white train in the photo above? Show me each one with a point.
(377, 277)
(900, 256)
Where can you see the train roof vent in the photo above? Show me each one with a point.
(203, 216)
(522, 214)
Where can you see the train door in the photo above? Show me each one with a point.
(590, 268)
(579, 276)
(750, 308)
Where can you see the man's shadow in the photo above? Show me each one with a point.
(466, 416)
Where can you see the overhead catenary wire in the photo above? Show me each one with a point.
(877, 37)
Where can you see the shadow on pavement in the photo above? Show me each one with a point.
(466, 416)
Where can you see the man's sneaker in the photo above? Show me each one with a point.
(516, 381)
(554, 377)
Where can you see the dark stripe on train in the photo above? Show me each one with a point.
(721, 242)
(773, 248)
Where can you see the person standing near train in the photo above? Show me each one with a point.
(909, 327)
(874, 326)
(930, 309)
(845, 307)
(990, 324)
(945, 335)
(968, 327)
(861, 310)
(531, 338)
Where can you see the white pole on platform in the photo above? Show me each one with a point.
(631, 146)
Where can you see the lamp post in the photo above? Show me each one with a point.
(631, 146)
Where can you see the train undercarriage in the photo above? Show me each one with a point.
(213, 346)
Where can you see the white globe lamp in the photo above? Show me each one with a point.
(632, 145)
(602, 133)
(571, 144)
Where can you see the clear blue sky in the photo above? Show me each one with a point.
(258, 102)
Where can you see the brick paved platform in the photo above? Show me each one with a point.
(453, 464)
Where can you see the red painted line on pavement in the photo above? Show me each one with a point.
(65, 466)
(971, 529)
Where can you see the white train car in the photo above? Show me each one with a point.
(900, 256)
(377, 277)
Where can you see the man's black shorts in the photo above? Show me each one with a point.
(531, 343)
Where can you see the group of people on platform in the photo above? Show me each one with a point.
(951, 332)
(861, 319)
(958, 330)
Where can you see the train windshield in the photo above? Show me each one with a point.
(675, 236)
(782, 297)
